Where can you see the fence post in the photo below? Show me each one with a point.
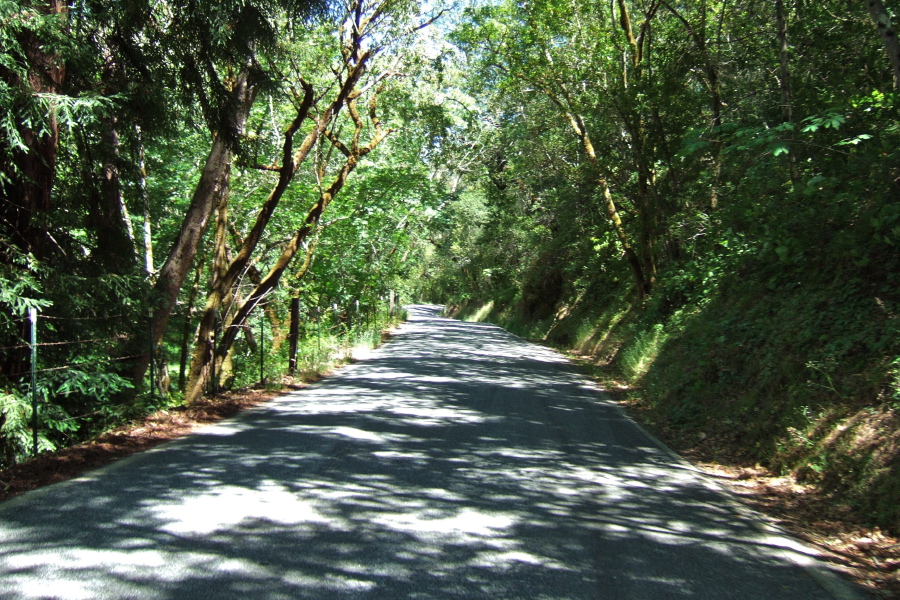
(32, 316)
(294, 333)
(152, 366)
(214, 388)
(262, 348)
(319, 333)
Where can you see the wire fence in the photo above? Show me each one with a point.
(341, 324)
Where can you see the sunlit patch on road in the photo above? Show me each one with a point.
(456, 462)
(225, 506)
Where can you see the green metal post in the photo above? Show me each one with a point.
(152, 382)
(32, 315)
(319, 332)
(337, 321)
(213, 383)
(262, 349)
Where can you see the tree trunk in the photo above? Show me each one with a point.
(888, 33)
(294, 334)
(30, 172)
(225, 373)
(226, 274)
(291, 162)
(27, 174)
(642, 286)
(565, 104)
(204, 359)
(116, 249)
(186, 328)
(649, 204)
(787, 110)
(356, 61)
(220, 240)
(715, 93)
(213, 183)
(295, 305)
(201, 366)
(145, 205)
(634, 262)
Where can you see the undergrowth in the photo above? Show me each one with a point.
(63, 421)
(796, 369)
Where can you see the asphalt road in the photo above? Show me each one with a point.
(457, 461)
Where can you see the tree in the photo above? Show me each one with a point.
(32, 73)
(882, 21)
(531, 55)
(360, 41)
(226, 99)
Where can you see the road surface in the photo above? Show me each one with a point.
(456, 462)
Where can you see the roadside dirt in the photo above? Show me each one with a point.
(152, 430)
(143, 434)
(867, 555)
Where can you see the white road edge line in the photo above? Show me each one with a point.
(825, 577)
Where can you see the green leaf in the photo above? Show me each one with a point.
(834, 121)
(779, 148)
(855, 140)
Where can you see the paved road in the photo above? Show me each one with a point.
(456, 462)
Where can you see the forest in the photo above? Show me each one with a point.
(698, 200)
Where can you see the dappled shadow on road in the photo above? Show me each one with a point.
(458, 462)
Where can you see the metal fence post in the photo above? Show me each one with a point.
(262, 349)
(319, 333)
(337, 321)
(213, 383)
(152, 366)
(32, 316)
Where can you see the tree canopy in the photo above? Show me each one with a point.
(702, 196)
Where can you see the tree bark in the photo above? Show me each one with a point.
(787, 110)
(642, 285)
(888, 33)
(355, 63)
(27, 173)
(145, 206)
(566, 106)
(116, 249)
(213, 183)
(295, 304)
(204, 360)
(633, 120)
(186, 327)
(291, 161)
(31, 171)
(634, 262)
(226, 275)
(715, 92)
(203, 355)
(294, 334)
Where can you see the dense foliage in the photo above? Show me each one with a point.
(198, 196)
(705, 198)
